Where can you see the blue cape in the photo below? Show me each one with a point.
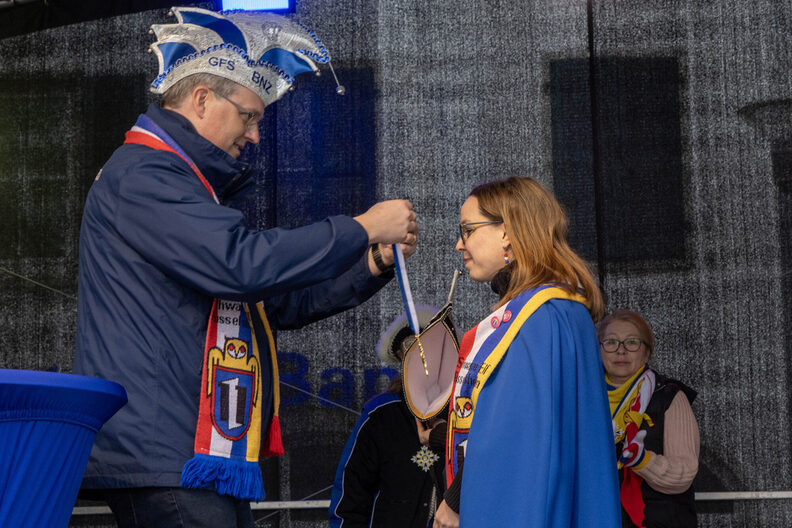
(540, 451)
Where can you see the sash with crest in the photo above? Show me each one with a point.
(228, 437)
(481, 350)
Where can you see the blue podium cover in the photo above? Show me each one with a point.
(48, 422)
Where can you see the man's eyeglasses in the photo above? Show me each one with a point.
(466, 229)
(250, 119)
(631, 344)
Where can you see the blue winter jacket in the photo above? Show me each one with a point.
(155, 249)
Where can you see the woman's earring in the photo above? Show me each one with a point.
(506, 258)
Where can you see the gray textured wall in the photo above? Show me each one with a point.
(459, 94)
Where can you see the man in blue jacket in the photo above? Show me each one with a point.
(177, 298)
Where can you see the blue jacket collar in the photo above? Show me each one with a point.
(223, 172)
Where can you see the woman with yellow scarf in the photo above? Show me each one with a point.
(655, 431)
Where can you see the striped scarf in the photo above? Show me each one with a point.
(628, 404)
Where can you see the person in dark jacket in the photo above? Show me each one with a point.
(385, 477)
(178, 299)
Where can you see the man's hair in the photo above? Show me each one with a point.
(536, 225)
(177, 93)
(628, 316)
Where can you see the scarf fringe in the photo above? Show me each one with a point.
(273, 444)
(241, 479)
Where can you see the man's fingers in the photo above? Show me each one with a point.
(392, 221)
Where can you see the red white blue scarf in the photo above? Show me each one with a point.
(628, 404)
(228, 437)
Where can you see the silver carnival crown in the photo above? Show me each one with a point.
(261, 51)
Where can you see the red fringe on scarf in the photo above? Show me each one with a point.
(273, 443)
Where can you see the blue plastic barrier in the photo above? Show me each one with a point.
(48, 422)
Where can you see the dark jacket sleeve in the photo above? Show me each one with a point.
(451, 495)
(437, 442)
(301, 307)
(437, 437)
(177, 227)
(356, 482)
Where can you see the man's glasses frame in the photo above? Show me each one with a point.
(465, 229)
(631, 344)
(249, 118)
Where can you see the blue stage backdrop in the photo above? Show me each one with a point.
(663, 127)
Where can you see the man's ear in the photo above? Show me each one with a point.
(198, 100)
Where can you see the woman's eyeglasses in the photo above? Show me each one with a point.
(466, 229)
(631, 344)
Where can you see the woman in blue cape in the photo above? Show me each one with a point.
(529, 440)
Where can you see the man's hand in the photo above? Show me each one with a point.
(391, 222)
(407, 250)
(445, 517)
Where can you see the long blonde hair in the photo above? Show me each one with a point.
(537, 226)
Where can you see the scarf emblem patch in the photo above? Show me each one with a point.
(233, 386)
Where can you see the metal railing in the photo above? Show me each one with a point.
(324, 504)
(265, 505)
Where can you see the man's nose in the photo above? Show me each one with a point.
(252, 134)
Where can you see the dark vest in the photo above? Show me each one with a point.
(662, 510)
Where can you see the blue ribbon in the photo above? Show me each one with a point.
(404, 286)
